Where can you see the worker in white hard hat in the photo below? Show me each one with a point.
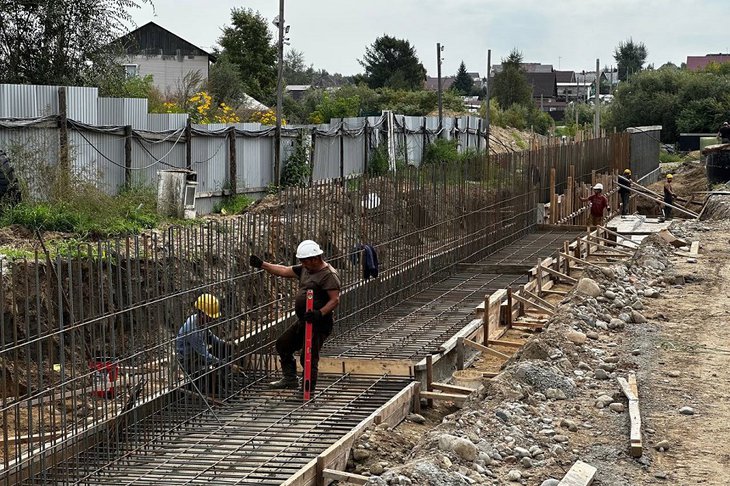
(314, 274)
(599, 204)
(199, 350)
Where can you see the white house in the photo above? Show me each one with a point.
(154, 50)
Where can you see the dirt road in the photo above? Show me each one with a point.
(687, 364)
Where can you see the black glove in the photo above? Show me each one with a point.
(255, 261)
(313, 316)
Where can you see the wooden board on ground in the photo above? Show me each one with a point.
(365, 366)
(346, 477)
(581, 474)
(694, 250)
(484, 349)
(451, 397)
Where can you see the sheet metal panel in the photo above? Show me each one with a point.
(326, 158)
(254, 158)
(210, 158)
(28, 101)
(159, 122)
(29, 150)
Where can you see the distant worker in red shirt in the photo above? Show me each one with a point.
(599, 203)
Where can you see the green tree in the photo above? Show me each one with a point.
(335, 107)
(248, 43)
(224, 82)
(392, 63)
(510, 85)
(295, 69)
(135, 87)
(463, 84)
(63, 42)
(630, 57)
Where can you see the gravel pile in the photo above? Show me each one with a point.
(525, 424)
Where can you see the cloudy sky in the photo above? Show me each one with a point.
(569, 34)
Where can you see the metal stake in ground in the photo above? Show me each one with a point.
(308, 348)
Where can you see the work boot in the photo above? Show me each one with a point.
(289, 380)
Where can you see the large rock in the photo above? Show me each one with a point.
(576, 337)
(589, 287)
(465, 449)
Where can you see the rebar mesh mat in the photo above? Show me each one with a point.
(418, 325)
(260, 436)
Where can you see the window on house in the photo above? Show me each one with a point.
(130, 70)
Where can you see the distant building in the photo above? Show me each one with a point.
(447, 81)
(695, 63)
(297, 91)
(154, 50)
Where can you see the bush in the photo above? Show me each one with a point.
(42, 217)
(379, 164)
(441, 151)
(296, 169)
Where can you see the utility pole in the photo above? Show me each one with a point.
(279, 96)
(438, 73)
(489, 90)
(598, 99)
(575, 103)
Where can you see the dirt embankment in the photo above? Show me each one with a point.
(558, 399)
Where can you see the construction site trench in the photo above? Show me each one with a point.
(471, 281)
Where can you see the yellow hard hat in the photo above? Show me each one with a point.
(209, 305)
(670, 176)
(627, 171)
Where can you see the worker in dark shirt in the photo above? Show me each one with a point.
(599, 203)
(624, 180)
(669, 197)
(314, 274)
(724, 134)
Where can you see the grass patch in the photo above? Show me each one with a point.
(233, 205)
(666, 157)
(89, 213)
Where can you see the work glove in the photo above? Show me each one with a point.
(255, 261)
(313, 316)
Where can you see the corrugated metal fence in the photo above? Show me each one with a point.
(114, 142)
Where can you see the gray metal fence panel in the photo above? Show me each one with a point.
(326, 158)
(161, 122)
(645, 142)
(28, 101)
(30, 150)
(110, 165)
(210, 158)
(254, 157)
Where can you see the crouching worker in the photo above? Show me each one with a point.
(199, 350)
(313, 274)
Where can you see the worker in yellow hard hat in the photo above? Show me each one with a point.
(624, 182)
(198, 349)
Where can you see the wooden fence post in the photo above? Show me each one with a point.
(64, 159)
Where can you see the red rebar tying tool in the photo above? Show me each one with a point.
(308, 348)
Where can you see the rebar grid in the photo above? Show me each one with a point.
(418, 325)
(265, 437)
(76, 316)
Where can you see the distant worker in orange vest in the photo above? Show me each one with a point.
(599, 203)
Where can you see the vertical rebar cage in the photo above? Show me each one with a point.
(88, 333)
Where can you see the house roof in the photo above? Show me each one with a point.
(700, 62)
(565, 76)
(152, 39)
(528, 67)
(543, 84)
(446, 82)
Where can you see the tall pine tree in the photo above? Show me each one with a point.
(463, 84)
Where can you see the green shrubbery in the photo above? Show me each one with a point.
(233, 205)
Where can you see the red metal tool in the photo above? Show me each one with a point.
(308, 348)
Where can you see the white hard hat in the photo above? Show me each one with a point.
(598, 187)
(308, 249)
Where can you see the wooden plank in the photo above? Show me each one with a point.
(626, 389)
(544, 303)
(446, 387)
(365, 366)
(331, 475)
(560, 275)
(505, 342)
(580, 260)
(485, 349)
(555, 292)
(335, 456)
(528, 302)
(636, 448)
(451, 397)
(496, 268)
(694, 249)
(581, 474)
(489, 374)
